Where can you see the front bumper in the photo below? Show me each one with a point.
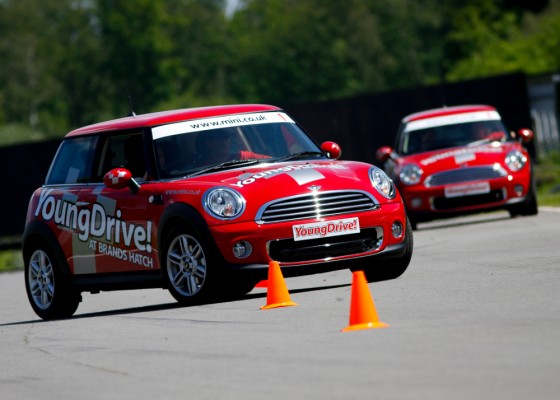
(501, 193)
(275, 242)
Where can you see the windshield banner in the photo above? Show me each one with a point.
(219, 122)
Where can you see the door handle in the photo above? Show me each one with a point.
(82, 203)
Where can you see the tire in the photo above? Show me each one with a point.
(529, 206)
(394, 267)
(191, 266)
(48, 290)
(413, 224)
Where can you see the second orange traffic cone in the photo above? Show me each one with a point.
(277, 293)
(362, 309)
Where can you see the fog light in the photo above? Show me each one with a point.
(416, 202)
(396, 229)
(242, 249)
(518, 190)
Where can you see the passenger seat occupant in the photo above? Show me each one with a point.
(134, 155)
(214, 147)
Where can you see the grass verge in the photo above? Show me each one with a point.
(548, 179)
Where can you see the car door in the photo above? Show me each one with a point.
(118, 230)
(59, 204)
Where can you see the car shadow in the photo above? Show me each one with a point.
(168, 306)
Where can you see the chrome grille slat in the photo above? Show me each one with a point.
(465, 175)
(315, 206)
(334, 205)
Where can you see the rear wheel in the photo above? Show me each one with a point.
(394, 267)
(48, 290)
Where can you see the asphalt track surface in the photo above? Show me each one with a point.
(476, 316)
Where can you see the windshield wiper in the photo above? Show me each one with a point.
(225, 165)
(301, 154)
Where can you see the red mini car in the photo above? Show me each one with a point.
(200, 201)
(456, 160)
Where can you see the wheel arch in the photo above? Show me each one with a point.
(177, 214)
(37, 232)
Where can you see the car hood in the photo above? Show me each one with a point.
(266, 182)
(465, 156)
(273, 180)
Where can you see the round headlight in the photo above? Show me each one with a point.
(515, 160)
(382, 183)
(410, 174)
(224, 203)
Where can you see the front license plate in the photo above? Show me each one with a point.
(346, 226)
(467, 189)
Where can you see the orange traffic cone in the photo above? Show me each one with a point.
(362, 309)
(277, 294)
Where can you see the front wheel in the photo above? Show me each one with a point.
(48, 291)
(190, 266)
(394, 267)
(528, 207)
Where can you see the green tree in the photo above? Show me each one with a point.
(48, 52)
(26, 78)
(492, 38)
(67, 63)
(307, 50)
(135, 42)
(200, 51)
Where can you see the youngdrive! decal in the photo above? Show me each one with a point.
(302, 180)
(461, 152)
(94, 222)
(340, 227)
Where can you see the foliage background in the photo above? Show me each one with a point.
(68, 63)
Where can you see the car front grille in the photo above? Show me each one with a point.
(289, 250)
(465, 175)
(316, 205)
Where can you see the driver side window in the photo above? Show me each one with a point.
(126, 151)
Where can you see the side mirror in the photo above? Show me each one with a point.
(332, 149)
(384, 153)
(526, 135)
(119, 178)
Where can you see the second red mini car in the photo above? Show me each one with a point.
(200, 201)
(462, 159)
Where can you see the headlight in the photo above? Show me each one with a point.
(224, 203)
(515, 160)
(410, 174)
(382, 183)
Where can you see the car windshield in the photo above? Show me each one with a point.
(181, 150)
(451, 135)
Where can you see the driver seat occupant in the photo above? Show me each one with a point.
(134, 155)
